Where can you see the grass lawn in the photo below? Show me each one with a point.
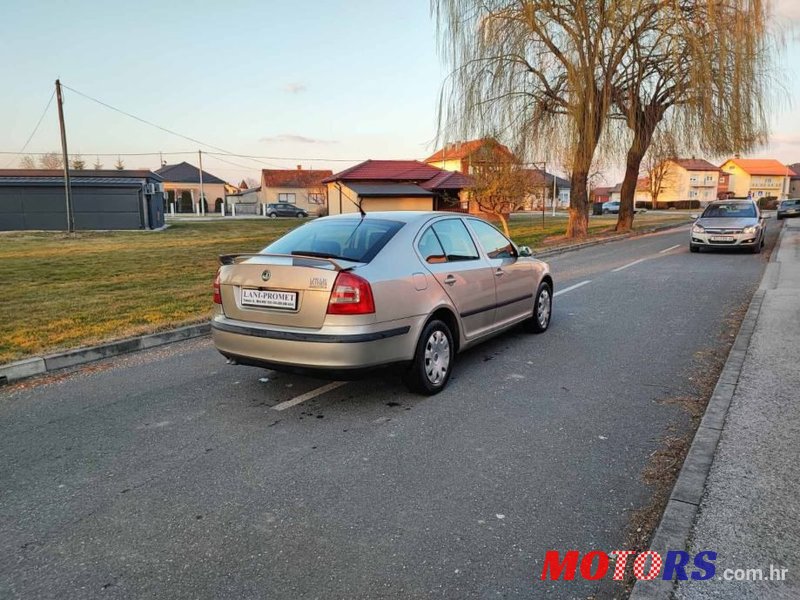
(64, 291)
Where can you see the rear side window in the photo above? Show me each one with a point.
(494, 243)
(455, 240)
(430, 248)
(358, 240)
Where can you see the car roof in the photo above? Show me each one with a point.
(404, 216)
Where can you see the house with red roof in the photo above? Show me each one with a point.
(302, 187)
(758, 178)
(378, 185)
(466, 156)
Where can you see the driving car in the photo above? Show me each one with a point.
(284, 209)
(729, 224)
(789, 208)
(611, 207)
(349, 293)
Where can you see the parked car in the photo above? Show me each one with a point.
(284, 209)
(789, 208)
(729, 224)
(344, 294)
(611, 207)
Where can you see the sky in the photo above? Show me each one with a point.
(323, 83)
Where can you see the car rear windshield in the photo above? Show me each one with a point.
(358, 240)
(733, 210)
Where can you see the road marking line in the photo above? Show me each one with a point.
(572, 287)
(665, 250)
(309, 395)
(636, 262)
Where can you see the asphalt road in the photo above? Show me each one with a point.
(169, 473)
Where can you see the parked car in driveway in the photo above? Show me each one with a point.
(346, 293)
(729, 224)
(789, 208)
(284, 209)
(611, 208)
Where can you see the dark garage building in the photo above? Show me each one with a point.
(33, 199)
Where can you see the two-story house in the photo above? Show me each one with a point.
(758, 178)
(794, 181)
(688, 179)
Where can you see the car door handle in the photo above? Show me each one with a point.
(499, 272)
(450, 279)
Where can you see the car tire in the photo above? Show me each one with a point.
(272, 215)
(694, 248)
(301, 215)
(756, 249)
(779, 217)
(605, 211)
(430, 370)
(542, 309)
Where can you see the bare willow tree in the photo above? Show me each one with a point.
(701, 72)
(539, 74)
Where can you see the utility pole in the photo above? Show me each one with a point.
(67, 186)
(554, 194)
(202, 193)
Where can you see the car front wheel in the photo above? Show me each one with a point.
(694, 248)
(272, 215)
(430, 370)
(542, 309)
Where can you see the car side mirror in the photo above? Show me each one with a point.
(524, 251)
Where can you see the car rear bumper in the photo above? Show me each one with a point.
(327, 349)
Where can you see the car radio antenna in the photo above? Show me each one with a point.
(357, 204)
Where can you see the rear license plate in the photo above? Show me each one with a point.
(792, 211)
(269, 299)
(722, 238)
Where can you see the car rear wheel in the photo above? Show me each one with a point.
(430, 370)
(694, 248)
(301, 215)
(272, 215)
(605, 211)
(542, 309)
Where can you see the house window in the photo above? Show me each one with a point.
(709, 179)
(288, 198)
(316, 198)
(768, 181)
(692, 193)
(693, 179)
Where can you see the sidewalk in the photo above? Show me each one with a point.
(750, 512)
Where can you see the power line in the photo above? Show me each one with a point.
(303, 158)
(38, 123)
(111, 153)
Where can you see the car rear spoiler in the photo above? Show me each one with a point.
(299, 259)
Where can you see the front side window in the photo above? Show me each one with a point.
(455, 240)
(494, 243)
(286, 198)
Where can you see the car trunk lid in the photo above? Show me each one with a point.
(283, 290)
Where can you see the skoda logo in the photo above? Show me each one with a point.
(266, 275)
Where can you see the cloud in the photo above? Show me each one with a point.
(294, 88)
(291, 138)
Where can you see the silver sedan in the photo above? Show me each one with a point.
(347, 293)
(729, 224)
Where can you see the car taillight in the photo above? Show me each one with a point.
(217, 294)
(351, 295)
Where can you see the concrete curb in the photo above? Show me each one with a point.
(80, 356)
(623, 236)
(684, 503)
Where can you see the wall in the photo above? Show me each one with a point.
(794, 188)
(448, 165)
(94, 207)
